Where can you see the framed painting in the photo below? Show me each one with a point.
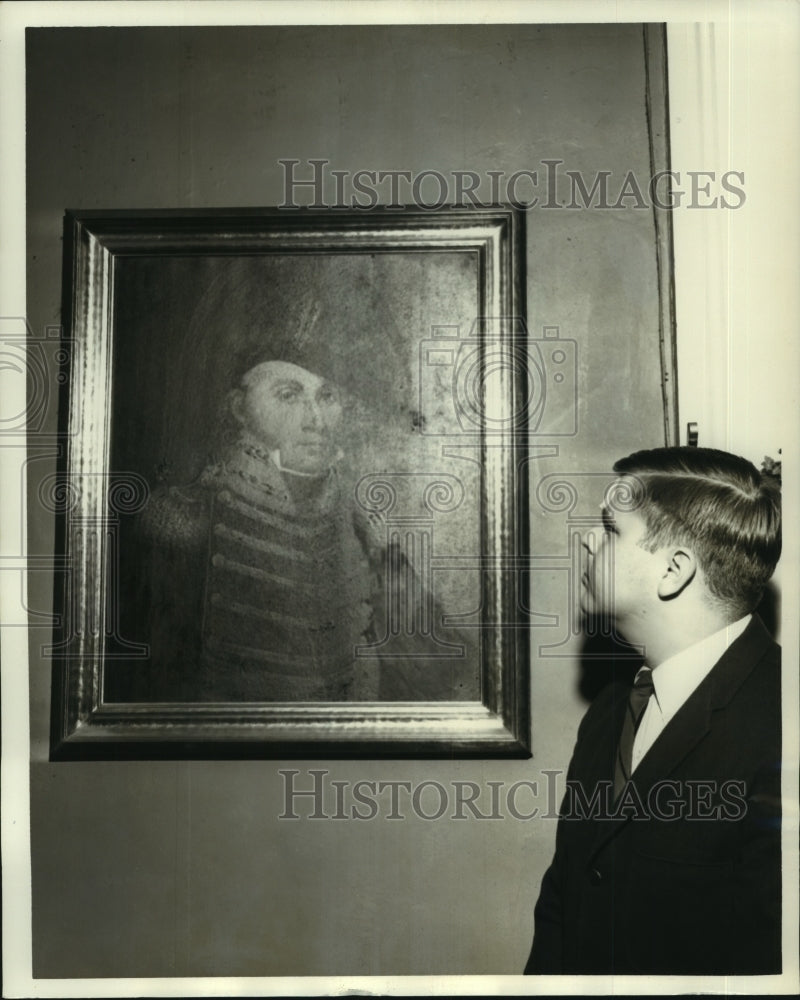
(292, 506)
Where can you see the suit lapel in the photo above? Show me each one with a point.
(693, 720)
(602, 743)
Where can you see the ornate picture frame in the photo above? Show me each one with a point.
(409, 326)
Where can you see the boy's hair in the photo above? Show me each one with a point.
(718, 504)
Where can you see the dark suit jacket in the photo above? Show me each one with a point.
(696, 894)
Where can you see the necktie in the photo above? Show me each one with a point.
(637, 703)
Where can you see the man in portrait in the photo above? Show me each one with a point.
(667, 855)
(259, 576)
(287, 580)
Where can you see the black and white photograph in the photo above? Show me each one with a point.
(398, 456)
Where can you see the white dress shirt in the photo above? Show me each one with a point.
(676, 678)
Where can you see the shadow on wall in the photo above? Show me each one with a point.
(769, 609)
(605, 659)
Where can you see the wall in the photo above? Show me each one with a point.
(147, 869)
(736, 296)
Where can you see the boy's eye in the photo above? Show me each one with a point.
(287, 395)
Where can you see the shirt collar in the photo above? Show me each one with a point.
(676, 678)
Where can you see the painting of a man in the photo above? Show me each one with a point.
(259, 577)
(269, 535)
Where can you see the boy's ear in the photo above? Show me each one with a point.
(681, 569)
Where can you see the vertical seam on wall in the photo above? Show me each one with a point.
(654, 38)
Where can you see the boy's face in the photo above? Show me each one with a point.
(621, 578)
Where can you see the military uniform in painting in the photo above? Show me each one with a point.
(261, 584)
(261, 579)
(280, 586)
